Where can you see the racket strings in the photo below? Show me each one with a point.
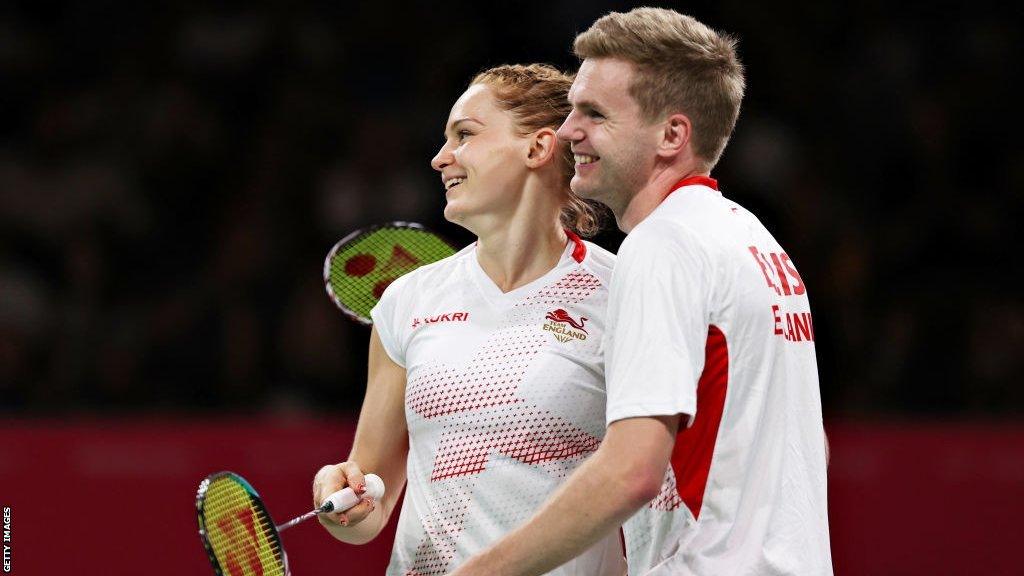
(359, 269)
(240, 531)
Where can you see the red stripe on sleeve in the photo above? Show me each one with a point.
(691, 456)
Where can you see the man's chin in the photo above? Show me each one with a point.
(584, 188)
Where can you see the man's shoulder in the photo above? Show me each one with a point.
(698, 220)
(659, 234)
(699, 207)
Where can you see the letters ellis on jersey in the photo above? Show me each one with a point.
(779, 272)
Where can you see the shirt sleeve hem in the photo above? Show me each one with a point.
(385, 337)
(686, 408)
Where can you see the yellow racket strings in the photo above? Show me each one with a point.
(240, 532)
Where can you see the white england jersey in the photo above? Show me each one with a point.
(504, 399)
(709, 318)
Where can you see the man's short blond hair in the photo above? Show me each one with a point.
(681, 66)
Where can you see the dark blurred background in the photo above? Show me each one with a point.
(172, 176)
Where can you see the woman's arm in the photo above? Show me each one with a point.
(381, 445)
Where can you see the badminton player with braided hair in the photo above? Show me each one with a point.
(714, 460)
(486, 380)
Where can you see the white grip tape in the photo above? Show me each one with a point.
(346, 498)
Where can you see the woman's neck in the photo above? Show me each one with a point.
(520, 251)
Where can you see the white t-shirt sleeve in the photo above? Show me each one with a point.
(387, 319)
(658, 318)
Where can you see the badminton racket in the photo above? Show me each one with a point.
(363, 264)
(238, 533)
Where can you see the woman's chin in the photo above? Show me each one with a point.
(453, 214)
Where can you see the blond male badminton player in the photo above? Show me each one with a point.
(715, 456)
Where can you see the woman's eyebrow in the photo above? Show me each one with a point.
(455, 123)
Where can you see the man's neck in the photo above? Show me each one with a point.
(652, 195)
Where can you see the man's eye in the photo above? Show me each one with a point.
(594, 114)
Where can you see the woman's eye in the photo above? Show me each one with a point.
(462, 134)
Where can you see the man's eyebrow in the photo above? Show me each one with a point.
(586, 105)
(455, 123)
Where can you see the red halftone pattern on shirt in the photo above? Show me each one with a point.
(492, 377)
(442, 528)
(530, 436)
(572, 288)
(503, 421)
(490, 381)
(668, 499)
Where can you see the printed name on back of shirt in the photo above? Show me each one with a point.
(782, 278)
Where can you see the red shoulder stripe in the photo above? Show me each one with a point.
(579, 251)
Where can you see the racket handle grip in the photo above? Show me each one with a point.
(346, 498)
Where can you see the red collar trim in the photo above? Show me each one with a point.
(579, 251)
(692, 180)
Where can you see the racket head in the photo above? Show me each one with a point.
(361, 265)
(237, 531)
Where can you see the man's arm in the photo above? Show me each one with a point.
(625, 473)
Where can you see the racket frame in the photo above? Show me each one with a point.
(204, 486)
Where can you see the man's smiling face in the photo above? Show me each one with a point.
(614, 147)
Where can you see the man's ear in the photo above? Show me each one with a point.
(676, 134)
(543, 147)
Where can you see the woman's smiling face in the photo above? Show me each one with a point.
(482, 160)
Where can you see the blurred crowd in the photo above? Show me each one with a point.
(171, 178)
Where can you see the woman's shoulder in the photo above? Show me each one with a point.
(430, 276)
(599, 261)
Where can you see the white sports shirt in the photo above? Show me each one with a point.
(709, 318)
(504, 398)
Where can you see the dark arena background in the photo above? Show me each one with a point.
(171, 177)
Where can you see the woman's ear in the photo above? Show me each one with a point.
(543, 147)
